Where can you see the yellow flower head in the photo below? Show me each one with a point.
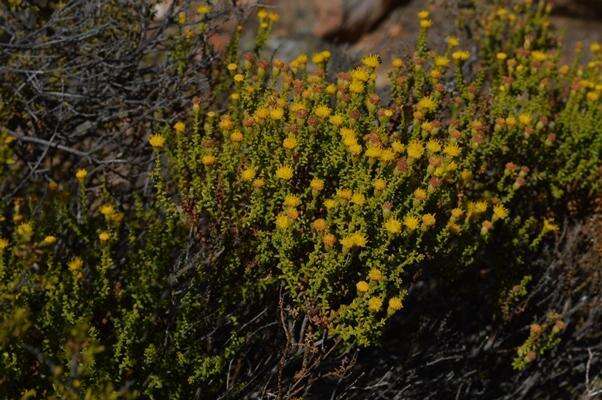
(433, 146)
(460, 55)
(3, 244)
(393, 226)
(395, 304)
(236, 136)
(179, 127)
(75, 264)
(49, 240)
(248, 174)
(289, 143)
(156, 141)
(371, 61)
(426, 104)
(276, 113)
(345, 193)
(501, 56)
(283, 221)
(81, 174)
(457, 213)
(356, 87)
(25, 230)
(358, 199)
(330, 203)
(284, 172)
(319, 224)
(258, 183)
(104, 236)
(539, 56)
(329, 240)
(442, 61)
(420, 194)
(480, 207)
(208, 160)
(452, 150)
(411, 222)
(107, 210)
(380, 184)
(291, 200)
(499, 212)
(428, 220)
(316, 184)
(360, 74)
(322, 111)
(453, 41)
(359, 239)
(362, 286)
(375, 274)
(426, 23)
(336, 120)
(415, 149)
(203, 9)
(375, 304)
(524, 119)
(373, 151)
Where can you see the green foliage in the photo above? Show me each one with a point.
(312, 202)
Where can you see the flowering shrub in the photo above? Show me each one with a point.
(291, 212)
(339, 191)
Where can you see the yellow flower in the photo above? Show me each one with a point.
(501, 56)
(397, 62)
(358, 199)
(452, 150)
(319, 224)
(393, 226)
(395, 304)
(428, 220)
(258, 183)
(25, 230)
(336, 120)
(373, 151)
(284, 172)
(375, 274)
(104, 236)
(457, 213)
(480, 207)
(355, 149)
(593, 96)
(415, 149)
(360, 74)
(208, 160)
(248, 174)
(330, 203)
(423, 14)
(549, 226)
(344, 193)
(49, 240)
(322, 111)
(375, 304)
(398, 147)
(262, 13)
(291, 200)
(426, 104)
(356, 87)
(371, 61)
(316, 184)
(426, 23)
(460, 55)
(276, 114)
(179, 127)
(524, 119)
(289, 143)
(433, 146)
(362, 286)
(411, 222)
(203, 9)
(232, 67)
(420, 194)
(380, 184)
(442, 61)
(292, 213)
(329, 240)
(499, 212)
(387, 155)
(359, 239)
(236, 136)
(595, 47)
(156, 141)
(182, 18)
(75, 264)
(3, 244)
(283, 221)
(81, 174)
(347, 242)
(107, 210)
(538, 56)
(453, 41)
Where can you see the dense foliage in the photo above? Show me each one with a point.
(288, 213)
